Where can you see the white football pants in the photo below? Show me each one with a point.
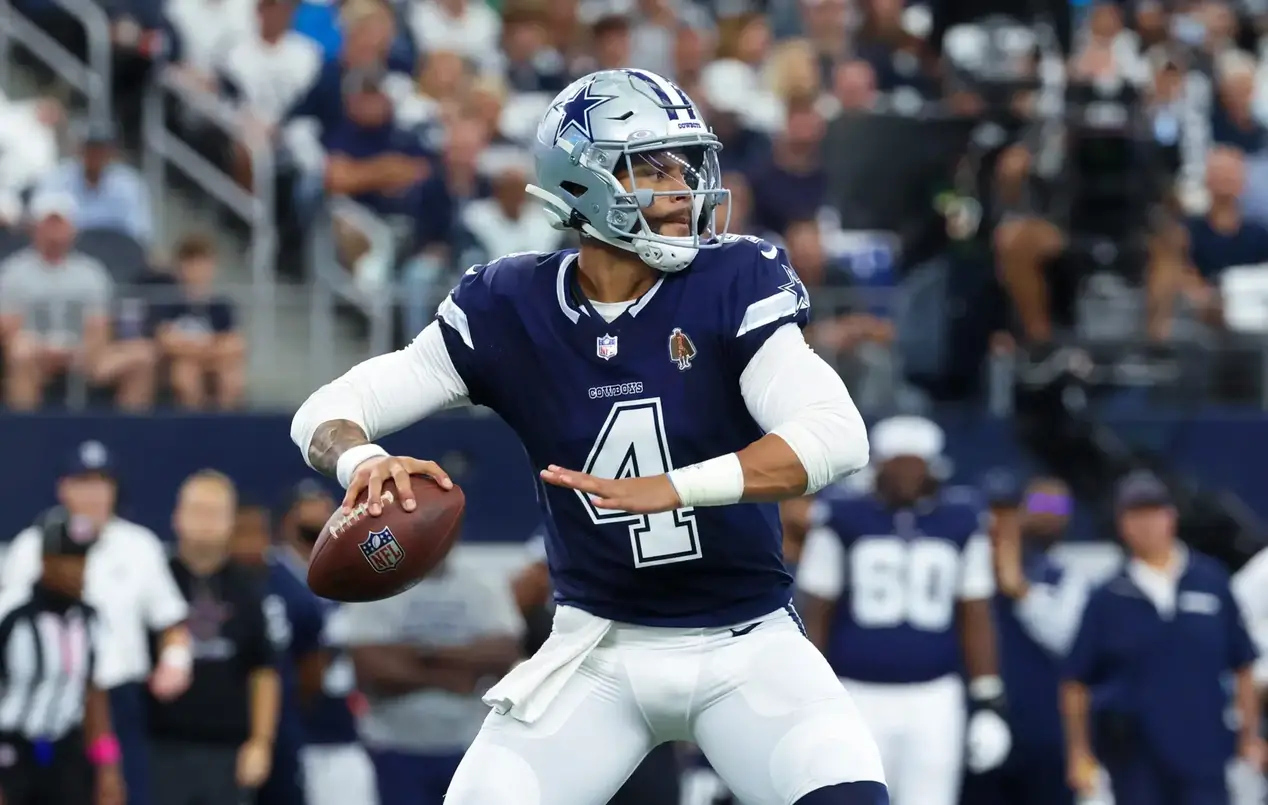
(763, 705)
(338, 774)
(919, 729)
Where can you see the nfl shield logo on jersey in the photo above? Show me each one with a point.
(382, 550)
(681, 350)
(606, 347)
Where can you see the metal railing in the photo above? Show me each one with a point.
(376, 297)
(92, 79)
(255, 207)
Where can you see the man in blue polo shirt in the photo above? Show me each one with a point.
(1146, 687)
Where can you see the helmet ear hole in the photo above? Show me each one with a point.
(574, 189)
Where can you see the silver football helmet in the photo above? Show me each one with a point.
(635, 125)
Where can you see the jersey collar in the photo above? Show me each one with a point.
(573, 303)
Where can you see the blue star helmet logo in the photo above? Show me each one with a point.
(577, 110)
(797, 288)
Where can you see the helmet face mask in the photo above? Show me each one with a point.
(669, 184)
(622, 161)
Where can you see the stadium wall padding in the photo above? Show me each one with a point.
(154, 454)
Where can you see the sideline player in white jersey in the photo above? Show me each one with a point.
(898, 585)
(661, 386)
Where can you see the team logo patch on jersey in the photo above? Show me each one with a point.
(681, 349)
(382, 550)
(605, 347)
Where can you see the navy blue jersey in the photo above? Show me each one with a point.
(327, 719)
(1030, 670)
(655, 389)
(902, 573)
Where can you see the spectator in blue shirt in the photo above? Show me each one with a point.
(789, 183)
(198, 335)
(370, 159)
(369, 31)
(384, 168)
(108, 193)
(1223, 238)
(1232, 118)
(1146, 690)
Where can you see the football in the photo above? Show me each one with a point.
(364, 558)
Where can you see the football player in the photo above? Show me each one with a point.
(660, 383)
(336, 767)
(317, 757)
(898, 584)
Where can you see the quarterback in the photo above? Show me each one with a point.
(660, 384)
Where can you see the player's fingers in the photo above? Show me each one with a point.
(432, 470)
(374, 488)
(404, 487)
(354, 489)
(610, 504)
(579, 481)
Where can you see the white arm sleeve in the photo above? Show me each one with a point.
(1250, 589)
(1051, 614)
(792, 392)
(386, 393)
(977, 575)
(821, 569)
(165, 606)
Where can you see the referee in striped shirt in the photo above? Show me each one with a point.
(56, 742)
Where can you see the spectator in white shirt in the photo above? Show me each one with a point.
(129, 582)
(267, 73)
(55, 316)
(28, 141)
(108, 194)
(207, 31)
(469, 27)
(509, 221)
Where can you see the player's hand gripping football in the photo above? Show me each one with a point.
(372, 473)
(636, 495)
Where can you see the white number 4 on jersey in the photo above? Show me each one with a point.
(632, 444)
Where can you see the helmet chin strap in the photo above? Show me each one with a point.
(662, 255)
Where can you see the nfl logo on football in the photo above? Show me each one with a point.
(382, 550)
(606, 347)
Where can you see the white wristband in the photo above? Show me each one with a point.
(983, 688)
(716, 482)
(354, 458)
(178, 656)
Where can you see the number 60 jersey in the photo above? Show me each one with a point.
(655, 388)
(896, 577)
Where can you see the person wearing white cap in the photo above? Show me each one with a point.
(55, 315)
(53, 303)
(898, 585)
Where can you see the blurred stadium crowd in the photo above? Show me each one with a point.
(1050, 212)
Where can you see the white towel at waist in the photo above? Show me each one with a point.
(531, 686)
